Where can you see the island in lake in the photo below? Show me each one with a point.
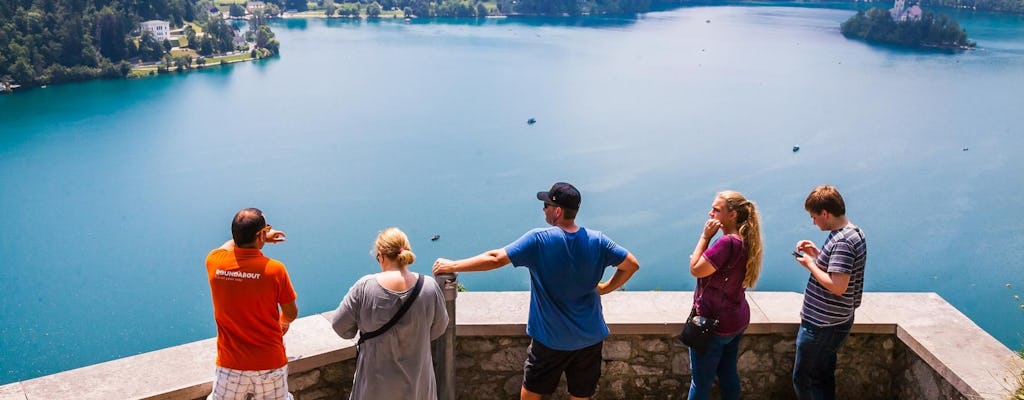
(907, 26)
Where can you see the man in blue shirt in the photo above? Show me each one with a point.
(566, 263)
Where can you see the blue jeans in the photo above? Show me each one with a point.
(814, 372)
(718, 360)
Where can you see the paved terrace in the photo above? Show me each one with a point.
(956, 349)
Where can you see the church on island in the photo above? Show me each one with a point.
(900, 11)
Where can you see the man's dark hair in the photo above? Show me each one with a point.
(246, 225)
(827, 198)
(569, 213)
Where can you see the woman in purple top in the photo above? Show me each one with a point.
(724, 272)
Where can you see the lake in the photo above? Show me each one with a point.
(113, 192)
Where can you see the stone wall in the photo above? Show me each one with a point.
(870, 366)
(903, 346)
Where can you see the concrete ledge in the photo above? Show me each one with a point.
(971, 360)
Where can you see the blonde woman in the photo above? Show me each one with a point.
(724, 272)
(396, 363)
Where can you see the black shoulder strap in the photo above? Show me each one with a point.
(398, 315)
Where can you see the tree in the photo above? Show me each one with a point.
(298, 5)
(481, 10)
(190, 36)
(349, 10)
(206, 45)
(330, 8)
(183, 63)
(149, 48)
(373, 10)
(420, 8)
(22, 72)
(111, 33)
(265, 40)
(236, 11)
(272, 10)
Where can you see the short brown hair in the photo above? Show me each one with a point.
(246, 225)
(825, 198)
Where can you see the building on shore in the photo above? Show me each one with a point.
(160, 30)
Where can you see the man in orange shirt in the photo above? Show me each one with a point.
(248, 289)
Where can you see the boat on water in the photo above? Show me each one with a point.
(531, 121)
(496, 16)
(796, 148)
(434, 238)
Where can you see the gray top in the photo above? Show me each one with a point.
(396, 364)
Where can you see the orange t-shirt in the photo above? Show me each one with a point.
(247, 288)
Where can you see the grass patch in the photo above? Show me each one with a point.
(142, 72)
(232, 58)
(184, 52)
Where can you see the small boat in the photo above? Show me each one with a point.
(434, 238)
(531, 121)
(965, 149)
(796, 148)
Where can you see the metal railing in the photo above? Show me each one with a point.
(444, 347)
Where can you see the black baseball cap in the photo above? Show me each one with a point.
(561, 194)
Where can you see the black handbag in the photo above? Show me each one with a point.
(698, 331)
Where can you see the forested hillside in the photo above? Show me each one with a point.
(52, 41)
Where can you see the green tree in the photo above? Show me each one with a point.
(183, 63)
(373, 10)
(265, 40)
(298, 5)
(22, 72)
(206, 45)
(149, 48)
(111, 34)
(190, 36)
(236, 11)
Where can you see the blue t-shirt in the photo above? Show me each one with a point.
(565, 268)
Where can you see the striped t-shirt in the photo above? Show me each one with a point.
(845, 251)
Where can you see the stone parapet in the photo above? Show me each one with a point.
(903, 345)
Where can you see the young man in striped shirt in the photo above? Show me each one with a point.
(833, 292)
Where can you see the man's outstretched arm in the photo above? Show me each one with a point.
(485, 261)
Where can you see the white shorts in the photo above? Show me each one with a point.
(233, 384)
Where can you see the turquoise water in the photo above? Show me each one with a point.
(112, 192)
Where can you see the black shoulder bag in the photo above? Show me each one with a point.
(394, 320)
(699, 330)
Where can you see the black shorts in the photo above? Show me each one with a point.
(544, 368)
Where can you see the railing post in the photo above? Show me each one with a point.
(444, 347)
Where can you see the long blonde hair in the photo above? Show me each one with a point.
(749, 222)
(394, 244)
